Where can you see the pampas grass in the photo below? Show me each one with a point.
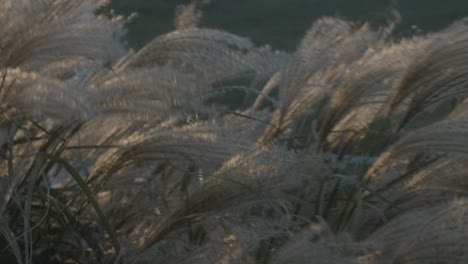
(109, 155)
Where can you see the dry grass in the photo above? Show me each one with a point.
(112, 156)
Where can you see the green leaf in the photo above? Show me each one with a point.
(87, 191)
(10, 237)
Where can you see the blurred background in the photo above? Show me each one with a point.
(282, 23)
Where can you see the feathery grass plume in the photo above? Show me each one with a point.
(228, 249)
(155, 169)
(362, 95)
(115, 157)
(442, 181)
(438, 76)
(444, 138)
(224, 240)
(81, 202)
(214, 55)
(47, 36)
(243, 181)
(145, 94)
(248, 126)
(149, 93)
(316, 243)
(430, 234)
(416, 186)
(199, 143)
(310, 76)
(263, 96)
(41, 32)
(30, 95)
(419, 152)
(73, 70)
(188, 16)
(244, 187)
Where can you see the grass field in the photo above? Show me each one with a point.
(344, 144)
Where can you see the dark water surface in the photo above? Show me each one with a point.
(281, 23)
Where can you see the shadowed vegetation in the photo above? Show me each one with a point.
(351, 149)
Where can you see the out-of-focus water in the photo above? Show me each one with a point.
(281, 23)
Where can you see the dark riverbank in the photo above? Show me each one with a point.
(281, 23)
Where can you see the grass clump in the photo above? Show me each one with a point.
(113, 155)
